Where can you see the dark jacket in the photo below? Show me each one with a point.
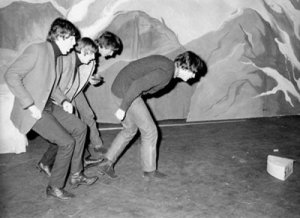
(143, 76)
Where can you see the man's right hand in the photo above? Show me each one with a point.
(35, 112)
(96, 79)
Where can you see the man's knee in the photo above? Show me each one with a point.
(65, 145)
(89, 120)
(150, 131)
(80, 128)
(69, 144)
(130, 131)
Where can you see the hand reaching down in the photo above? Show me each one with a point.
(120, 114)
(68, 107)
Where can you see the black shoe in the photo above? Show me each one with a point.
(44, 168)
(89, 162)
(101, 150)
(154, 175)
(106, 168)
(81, 179)
(59, 193)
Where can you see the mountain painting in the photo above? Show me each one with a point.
(251, 49)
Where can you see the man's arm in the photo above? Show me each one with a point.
(17, 72)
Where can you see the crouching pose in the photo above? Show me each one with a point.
(78, 69)
(41, 106)
(145, 76)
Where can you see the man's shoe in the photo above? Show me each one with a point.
(154, 175)
(59, 193)
(44, 169)
(89, 162)
(81, 179)
(106, 168)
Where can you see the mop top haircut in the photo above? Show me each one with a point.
(86, 46)
(61, 27)
(109, 40)
(192, 62)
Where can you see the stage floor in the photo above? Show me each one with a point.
(215, 169)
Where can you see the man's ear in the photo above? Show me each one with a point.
(81, 52)
(59, 39)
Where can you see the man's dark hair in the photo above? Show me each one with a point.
(110, 40)
(192, 62)
(61, 27)
(86, 45)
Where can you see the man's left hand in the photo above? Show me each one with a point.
(120, 114)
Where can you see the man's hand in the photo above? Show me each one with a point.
(96, 79)
(35, 112)
(68, 107)
(120, 114)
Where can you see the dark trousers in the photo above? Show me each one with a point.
(86, 116)
(69, 134)
(50, 155)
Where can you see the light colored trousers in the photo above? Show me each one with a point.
(139, 118)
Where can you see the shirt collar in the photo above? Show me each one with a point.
(77, 61)
(56, 50)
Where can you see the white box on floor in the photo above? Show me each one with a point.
(279, 167)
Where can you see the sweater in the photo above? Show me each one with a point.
(143, 76)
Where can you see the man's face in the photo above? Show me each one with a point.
(66, 44)
(185, 74)
(87, 58)
(106, 52)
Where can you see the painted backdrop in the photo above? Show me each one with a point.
(251, 48)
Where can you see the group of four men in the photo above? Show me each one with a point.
(47, 80)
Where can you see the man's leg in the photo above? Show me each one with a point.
(122, 139)
(143, 119)
(77, 130)
(49, 128)
(46, 163)
(87, 116)
(118, 145)
(94, 137)
(49, 156)
(91, 157)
